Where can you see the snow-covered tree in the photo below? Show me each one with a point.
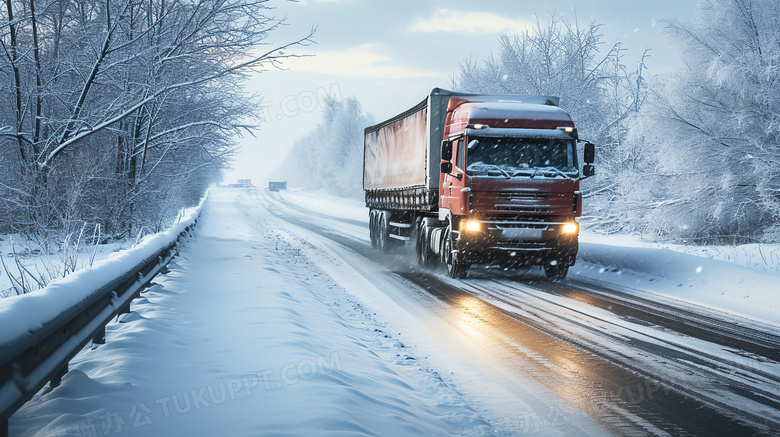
(330, 157)
(114, 110)
(712, 133)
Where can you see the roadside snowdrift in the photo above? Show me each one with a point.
(28, 312)
(707, 282)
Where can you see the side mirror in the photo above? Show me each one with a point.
(446, 151)
(588, 171)
(446, 167)
(589, 154)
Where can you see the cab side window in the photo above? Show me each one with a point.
(460, 154)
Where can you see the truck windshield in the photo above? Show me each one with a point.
(520, 157)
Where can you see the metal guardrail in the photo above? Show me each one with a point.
(32, 360)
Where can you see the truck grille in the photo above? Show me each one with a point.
(506, 221)
(521, 203)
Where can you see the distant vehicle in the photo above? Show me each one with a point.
(242, 183)
(471, 179)
(277, 186)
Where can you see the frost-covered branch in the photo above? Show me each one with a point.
(117, 94)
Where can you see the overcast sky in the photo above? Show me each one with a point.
(390, 54)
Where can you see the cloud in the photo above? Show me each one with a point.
(361, 61)
(449, 20)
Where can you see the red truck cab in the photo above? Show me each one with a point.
(510, 185)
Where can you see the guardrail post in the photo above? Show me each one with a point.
(57, 379)
(164, 267)
(100, 336)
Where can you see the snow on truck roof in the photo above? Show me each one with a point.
(456, 98)
(517, 98)
(513, 110)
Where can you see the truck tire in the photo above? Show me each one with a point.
(556, 270)
(383, 233)
(455, 269)
(425, 256)
(372, 231)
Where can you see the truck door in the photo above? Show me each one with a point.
(451, 191)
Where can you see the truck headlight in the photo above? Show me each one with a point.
(570, 228)
(472, 226)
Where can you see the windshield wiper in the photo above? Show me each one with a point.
(508, 176)
(555, 169)
(499, 169)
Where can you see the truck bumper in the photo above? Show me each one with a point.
(517, 248)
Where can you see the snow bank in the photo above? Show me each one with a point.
(23, 314)
(47, 261)
(713, 283)
(763, 257)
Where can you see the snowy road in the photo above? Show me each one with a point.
(636, 364)
(279, 321)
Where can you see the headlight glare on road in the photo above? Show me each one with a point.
(570, 228)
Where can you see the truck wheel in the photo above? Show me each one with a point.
(372, 229)
(381, 237)
(556, 270)
(455, 269)
(383, 234)
(425, 256)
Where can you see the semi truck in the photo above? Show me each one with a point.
(277, 186)
(477, 179)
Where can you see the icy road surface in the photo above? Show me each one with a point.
(279, 321)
